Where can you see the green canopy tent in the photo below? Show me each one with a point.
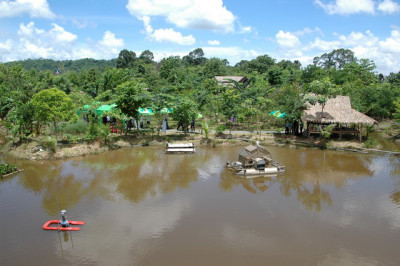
(105, 108)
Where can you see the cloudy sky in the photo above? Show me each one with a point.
(233, 30)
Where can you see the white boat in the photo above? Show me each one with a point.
(255, 161)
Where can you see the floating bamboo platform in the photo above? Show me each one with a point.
(12, 173)
(180, 148)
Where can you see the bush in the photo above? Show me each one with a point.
(97, 130)
(80, 127)
(220, 129)
(6, 168)
(370, 143)
(50, 144)
(204, 125)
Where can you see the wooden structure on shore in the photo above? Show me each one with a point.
(180, 148)
(227, 81)
(336, 111)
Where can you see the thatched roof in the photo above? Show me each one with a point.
(226, 80)
(336, 110)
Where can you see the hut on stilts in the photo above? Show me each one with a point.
(336, 111)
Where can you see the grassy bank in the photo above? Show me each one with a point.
(47, 147)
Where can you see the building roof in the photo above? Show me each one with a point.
(336, 110)
(228, 79)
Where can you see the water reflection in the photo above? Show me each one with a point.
(395, 197)
(140, 173)
(307, 174)
(146, 207)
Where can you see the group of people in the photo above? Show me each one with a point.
(295, 128)
(192, 126)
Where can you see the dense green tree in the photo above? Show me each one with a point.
(291, 101)
(91, 82)
(126, 59)
(172, 70)
(195, 57)
(147, 57)
(54, 106)
(185, 111)
(132, 95)
(336, 59)
(261, 64)
(397, 109)
(161, 98)
(214, 67)
(323, 90)
(394, 79)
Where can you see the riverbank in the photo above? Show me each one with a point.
(38, 149)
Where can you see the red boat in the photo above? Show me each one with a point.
(47, 225)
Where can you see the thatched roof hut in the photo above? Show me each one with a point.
(227, 80)
(336, 111)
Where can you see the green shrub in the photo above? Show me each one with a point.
(80, 127)
(204, 125)
(370, 143)
(6, 168)
(50, 144)
(97, 130)
(220, 128)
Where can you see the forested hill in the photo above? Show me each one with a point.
(65, 65)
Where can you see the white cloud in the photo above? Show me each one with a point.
(109, 46)
(169, 35)
(56, 43)
(35, 8)
(192, 14)
(323, 45)
(214, 42)
(355, 38)
(110, 41)
(392, 44)
(166, 35)
(6, 46)
(389, 7)
(287, 40)
(61, 35)
(346, 7)
(384, 52)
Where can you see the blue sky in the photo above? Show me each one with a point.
(234, 30)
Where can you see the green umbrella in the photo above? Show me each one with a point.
(278, 114)
(145, 111)
(166, 111)
(282, 115)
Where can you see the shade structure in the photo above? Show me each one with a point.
(145, 111)
(105, 108)
(166, 111)
(278, 114)
(282, 115)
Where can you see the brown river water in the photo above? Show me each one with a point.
(144, 207)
